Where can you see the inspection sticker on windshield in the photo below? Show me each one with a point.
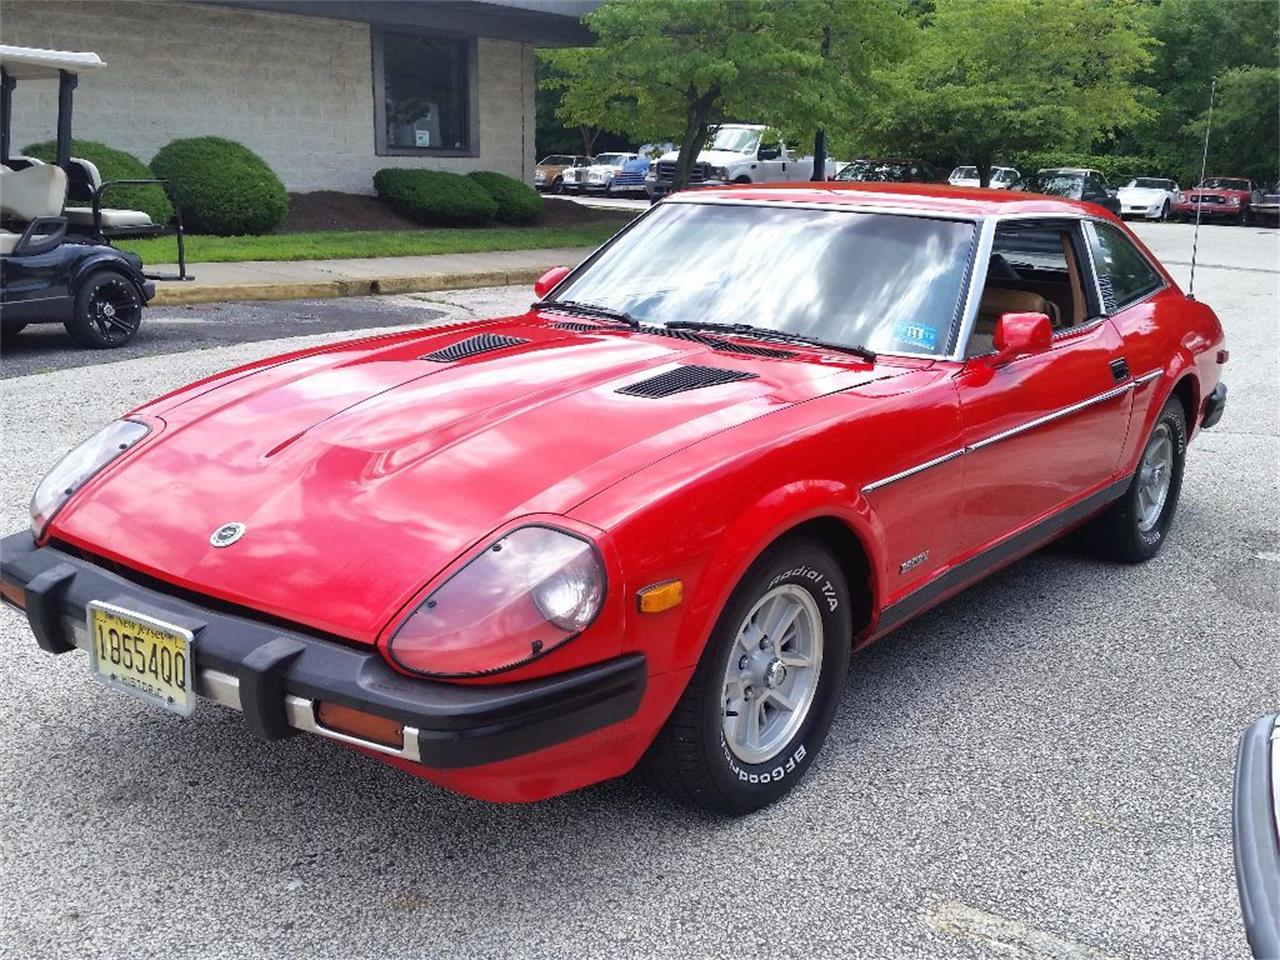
(917, 335)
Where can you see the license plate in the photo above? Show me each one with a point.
(142, 656)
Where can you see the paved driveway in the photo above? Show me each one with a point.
(1040, 767)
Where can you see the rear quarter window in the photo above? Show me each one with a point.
(1124, 274)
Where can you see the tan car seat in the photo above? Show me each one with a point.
(998, 300)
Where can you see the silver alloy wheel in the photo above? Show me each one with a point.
(772, 674)
(1155, 473)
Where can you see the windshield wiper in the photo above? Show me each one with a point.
(767, 333)
(590, 310)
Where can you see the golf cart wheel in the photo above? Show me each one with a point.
(108, 311)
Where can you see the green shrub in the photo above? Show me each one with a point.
(113, 164)
(1118, 170)
(517, 201)
(224, 188)
(433, 196)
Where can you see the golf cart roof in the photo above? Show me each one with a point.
(32, 63)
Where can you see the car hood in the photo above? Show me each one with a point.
(717, 158)
(1141, 194)
(361, 472)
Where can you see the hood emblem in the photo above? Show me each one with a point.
(227, 534)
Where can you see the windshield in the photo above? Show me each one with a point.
(879, 171)
(1004, 175)
(1222, 183)
(892, 283)
(735, 140)
(1054, 183)
(612, 159)
(556, 161)
(964, 173)
(1149, 183)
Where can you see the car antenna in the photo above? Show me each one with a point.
(1204, 160)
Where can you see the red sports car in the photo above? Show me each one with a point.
(648, 520)
(1219, 198)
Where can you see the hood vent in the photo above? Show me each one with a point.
(578, 326)
(716, 343)
(480, 343)
(684, 378)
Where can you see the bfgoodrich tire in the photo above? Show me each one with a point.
(762, 697)
(1133, 529)
(108, 311)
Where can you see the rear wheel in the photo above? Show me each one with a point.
(108, 311)
(1133, 529)
(763, 695)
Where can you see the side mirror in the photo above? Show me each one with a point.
(769, 153)
(1019, 335)
(549, 281)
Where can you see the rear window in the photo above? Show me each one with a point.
(1124, 274)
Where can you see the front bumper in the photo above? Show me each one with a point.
(1207, 210)
(275, 675)
(1256, 835)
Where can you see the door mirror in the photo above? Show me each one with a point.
(1019, 335)
(549, 281)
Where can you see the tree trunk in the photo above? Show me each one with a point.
(820, 138)
(984, 172)
(697, 115)
(589, 137)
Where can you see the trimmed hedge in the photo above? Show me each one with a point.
(433, 196)
(517, 201)
(224, 187)
(113, 164)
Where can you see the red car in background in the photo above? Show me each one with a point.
(1219, 198)
(648, 520)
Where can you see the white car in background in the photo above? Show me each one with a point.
(596, 177)
(1148, 197)
(1001, 177)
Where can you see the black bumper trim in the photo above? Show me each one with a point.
(458, 725)
(1256, 837)
(1214, 406)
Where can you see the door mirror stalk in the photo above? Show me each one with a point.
(1020, 335)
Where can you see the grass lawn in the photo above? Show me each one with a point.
(342, 244)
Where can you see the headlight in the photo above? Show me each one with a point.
(719, 173)
(526, 594)
(1233, 201)
(76, 469)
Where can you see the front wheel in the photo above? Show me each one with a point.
(1164, 212)
(108, 311)
(1133, 529)
(763, 695)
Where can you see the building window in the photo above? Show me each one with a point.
(423, 94)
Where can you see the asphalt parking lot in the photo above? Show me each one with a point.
(1041, 767)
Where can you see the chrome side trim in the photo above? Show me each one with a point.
(1147, 377)
(911, 471)
(1011, 432)
(1050, 417)
(224, 690)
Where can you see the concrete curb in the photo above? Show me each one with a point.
(176, 294)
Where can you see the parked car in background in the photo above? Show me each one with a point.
(630, 178)
(758, 429)
(1267, 210)
(1219, 198)
(1074, 183)
(549, 173)
(1256, 835)
(596, 177)
(1149, 197)
(736, 153)
(888, 171)
(1002, 178)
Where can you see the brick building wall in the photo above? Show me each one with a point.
(297, 90)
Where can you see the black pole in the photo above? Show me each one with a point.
(7, 84)
(820, 138)
(66, 83)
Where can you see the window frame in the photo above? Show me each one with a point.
(470, 98)
(1092, 239)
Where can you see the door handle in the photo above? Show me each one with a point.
(1120, 369)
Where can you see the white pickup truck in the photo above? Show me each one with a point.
(735, 153)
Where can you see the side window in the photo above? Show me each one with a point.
(1124, 275)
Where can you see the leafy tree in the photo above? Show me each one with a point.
(990, 78)
(670, 65)
(1198, 41)
(1245, 136)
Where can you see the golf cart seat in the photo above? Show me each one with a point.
(26, 195)
(84, 181)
